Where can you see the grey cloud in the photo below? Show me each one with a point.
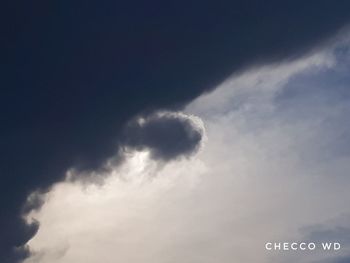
(75, 73)
(342, 260)
(236, 207)
(331, 234)
(167, 135)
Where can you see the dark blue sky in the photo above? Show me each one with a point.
(74, 72)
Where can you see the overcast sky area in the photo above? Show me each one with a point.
(173, 131)
(272, 165)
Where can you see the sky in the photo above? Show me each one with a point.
(272, 166)
(193, 131)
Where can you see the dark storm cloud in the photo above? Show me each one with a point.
(166, 136)
(74, 72)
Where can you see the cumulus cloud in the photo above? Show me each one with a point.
(166, 135)
(87, 73)
(268, 172)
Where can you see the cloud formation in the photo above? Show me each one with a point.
(74, 73)
(166, 135)
(270, 169)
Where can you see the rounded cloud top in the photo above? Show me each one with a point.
(167, 135)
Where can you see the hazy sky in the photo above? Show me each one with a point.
(272, 166)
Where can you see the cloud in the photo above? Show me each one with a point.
(336, 234)
(24, 231)
(263, 174)
(342, 260)
(335, 230)
(75, 75)
(167, 135)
